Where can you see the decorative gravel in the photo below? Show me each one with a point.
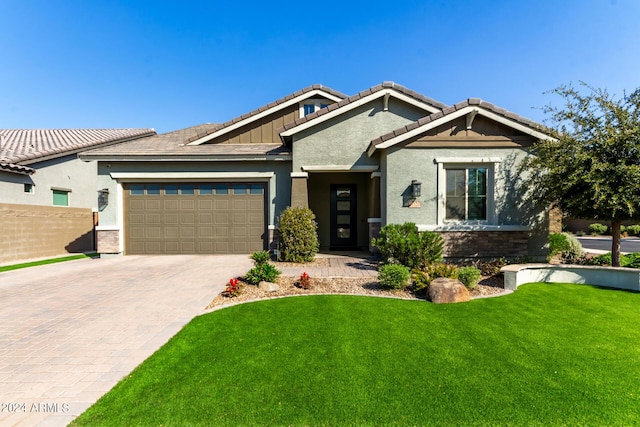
(488, 286)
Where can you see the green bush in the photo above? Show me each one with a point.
(602, 259)
(298, 235)
(597, 229)
(633, 230)
(393, 276)
(631, 260)
(574, 253)
(558, 244)
(441, 269)
(419, 281)
(263, 272)
(260, 257)
(469, 276)
(404, 244)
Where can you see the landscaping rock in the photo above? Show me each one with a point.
(268, 286)
(445, 291)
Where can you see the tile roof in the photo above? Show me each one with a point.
(384, 85)
(19, 146)
(269, 106)
(471, 102)
(174, 144)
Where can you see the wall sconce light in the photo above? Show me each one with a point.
(103, 198)
(416, 188)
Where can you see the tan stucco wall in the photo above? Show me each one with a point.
(43, 231)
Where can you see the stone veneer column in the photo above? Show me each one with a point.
(107, 240)
(299, 192)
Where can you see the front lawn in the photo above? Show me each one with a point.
(545, 355)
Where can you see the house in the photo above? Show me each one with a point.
(385, 155)
(47, 195)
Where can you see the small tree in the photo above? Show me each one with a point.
(591, 169)
(298, 235)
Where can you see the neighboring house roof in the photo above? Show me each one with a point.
(471, 107)
(429, 105)
(174, 144)
(265, 110)
(21, 147)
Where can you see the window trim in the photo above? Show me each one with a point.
(492, 166)
(61, 190)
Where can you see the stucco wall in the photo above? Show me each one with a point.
(343, 140)
(43, 231)
(402, 165)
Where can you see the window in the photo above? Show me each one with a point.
(312, 105)
(28, 188)
(466, 194)
(60, 197)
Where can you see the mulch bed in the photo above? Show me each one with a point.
(488, 286)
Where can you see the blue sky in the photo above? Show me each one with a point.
(174, 64)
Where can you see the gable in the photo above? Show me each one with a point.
(264, 130)
(484, 132)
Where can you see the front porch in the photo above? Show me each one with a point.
(346, 205)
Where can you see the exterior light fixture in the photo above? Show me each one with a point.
(416, 188)
(103, 198)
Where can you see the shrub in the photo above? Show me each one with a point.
(441, 269)
(263, 272)
(574, 253)
(298, 235)
(469, 276)
(558, 244)
(420, 281)
(633, 230)
(491, 267)
(260, 257)
(631, 260)
(603, 259)
(623, 229)
(404, 244)
(393, 276)
(596, 229)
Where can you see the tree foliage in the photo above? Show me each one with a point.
(591, 169)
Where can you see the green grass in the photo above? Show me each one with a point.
(546, 355)
(44, 261)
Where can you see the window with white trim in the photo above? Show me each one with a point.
(312, 105)
(466, 194)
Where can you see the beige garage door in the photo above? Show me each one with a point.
(194, 218)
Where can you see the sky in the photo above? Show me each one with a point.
(168, 65)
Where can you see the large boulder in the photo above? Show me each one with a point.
(444, 291)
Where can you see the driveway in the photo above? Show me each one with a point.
(70, 331)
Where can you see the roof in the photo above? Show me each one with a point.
(447, 114)
(174, 144)
(428, 104)
(20, 147)
(295, 97)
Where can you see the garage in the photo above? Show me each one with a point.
(194, 218)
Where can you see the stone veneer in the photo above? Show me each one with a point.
(108, 241)
(485, 244)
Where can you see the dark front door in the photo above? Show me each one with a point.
(343, 216)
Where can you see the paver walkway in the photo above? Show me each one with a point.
(70, 331)
(337, 266)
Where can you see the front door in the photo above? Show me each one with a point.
(343, 216)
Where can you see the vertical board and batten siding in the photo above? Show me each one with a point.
(262, 131)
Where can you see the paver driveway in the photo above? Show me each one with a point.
(70, 331)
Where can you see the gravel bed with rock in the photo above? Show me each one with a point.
(288, 286)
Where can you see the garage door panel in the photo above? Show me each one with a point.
(229, 218)
(153, 204)
(172, 204)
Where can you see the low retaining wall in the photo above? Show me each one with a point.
(609, 277)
